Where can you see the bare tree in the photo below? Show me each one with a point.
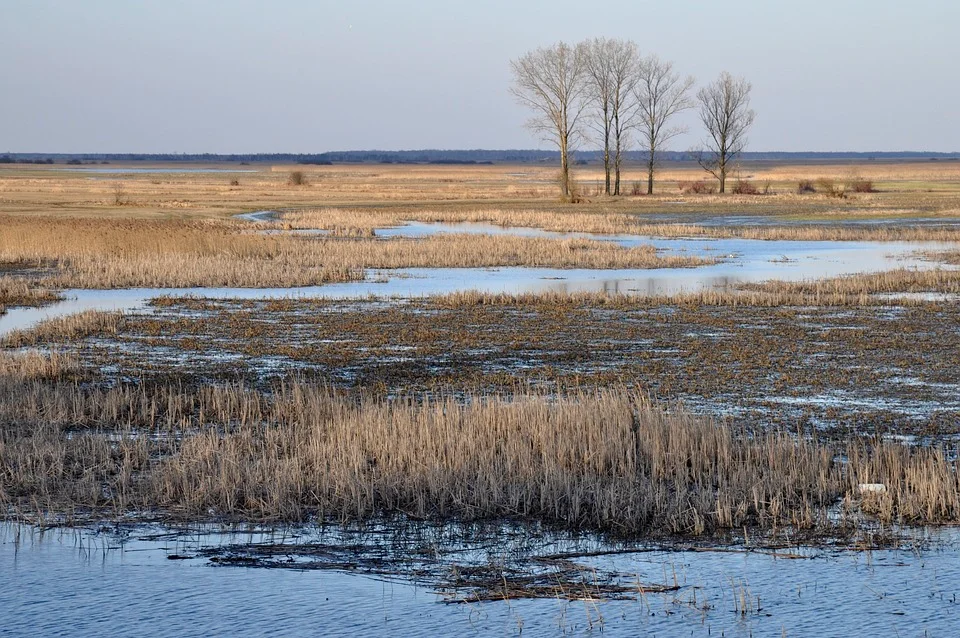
(726, 114)
(611, 67)
(660, 94)
(551, 81)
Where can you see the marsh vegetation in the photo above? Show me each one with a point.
(696, 414)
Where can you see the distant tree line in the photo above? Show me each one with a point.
(467, 157)
(604, 90)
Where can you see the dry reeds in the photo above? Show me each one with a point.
(611, 223)
(901, 280)
(64, 329)
(850, 290)
(19, 292)
(608, 460)
(102, 254)
(34, 365)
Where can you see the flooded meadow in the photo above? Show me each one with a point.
(440, 417)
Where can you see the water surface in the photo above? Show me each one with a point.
(80, 582)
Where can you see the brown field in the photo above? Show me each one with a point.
(905, 189)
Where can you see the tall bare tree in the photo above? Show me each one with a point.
(660, 94)
(552, 82)
(726, 114)
(611, 67)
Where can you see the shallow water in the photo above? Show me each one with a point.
(742, 260)
(81, 582)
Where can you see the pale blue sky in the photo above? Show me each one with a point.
(310, 76)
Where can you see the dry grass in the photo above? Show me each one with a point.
(608, 460)
(893, 281)
(17, 292)
(92, 253)
(34, 365)
(360, 221)
(104, 254)
(918, 188)
(946, 257)
(64, 329)
(849, 290)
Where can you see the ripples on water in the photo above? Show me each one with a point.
(80, 583)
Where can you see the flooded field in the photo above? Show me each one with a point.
(740, 261)
(125, 578)
(749, 428)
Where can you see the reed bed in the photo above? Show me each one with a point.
(364, 220)
(65, 329)
(608, 460)
(871, 289)
(947, 257)
(901, 280)
(103, 254)
(32, 365)
(18, 292)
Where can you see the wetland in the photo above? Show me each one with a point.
(435, 397)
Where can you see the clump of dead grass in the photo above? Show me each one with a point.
(64, 329)
(16, 291)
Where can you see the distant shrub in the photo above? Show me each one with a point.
(860, 185)
(74, 162)
(234, 182)
(830, 188)
(698, 187)
(297, 178)
(120, 195)
(744, 187)
(637, 188)
(806, 186)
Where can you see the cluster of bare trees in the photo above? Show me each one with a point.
(605, 91)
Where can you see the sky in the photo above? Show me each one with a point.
(299, 76)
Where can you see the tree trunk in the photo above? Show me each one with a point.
(564, 168)
(606, 169)
(651, 164)
(606, 154)
(616, 169)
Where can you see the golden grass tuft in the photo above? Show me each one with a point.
(15, 291)
(64, 329)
